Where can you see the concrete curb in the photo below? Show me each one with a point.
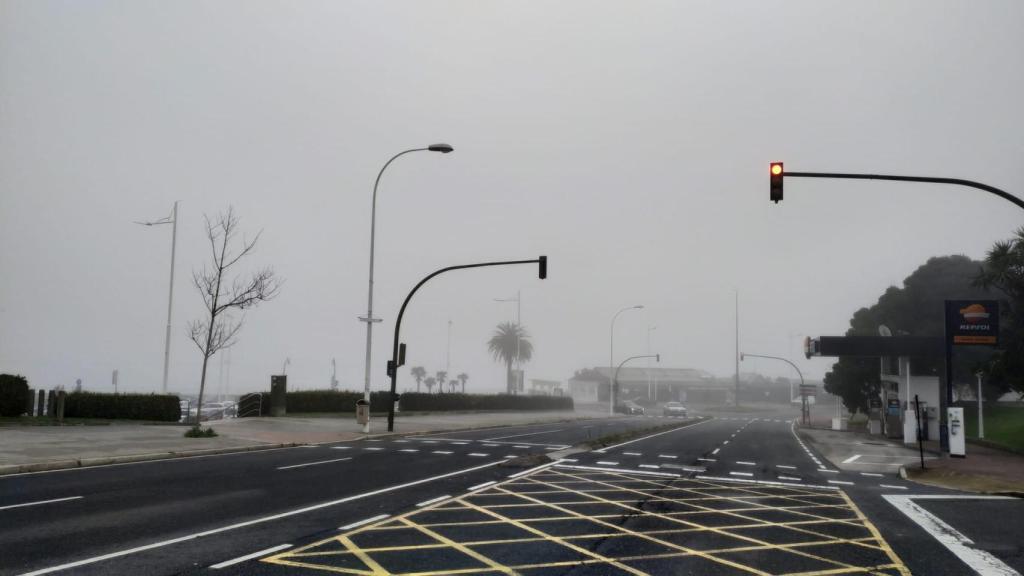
(8, 469)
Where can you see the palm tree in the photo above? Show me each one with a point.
(419, 373)
(429, 383)
(452, 384)
(462, 378)
(510, 343)
(442, 377)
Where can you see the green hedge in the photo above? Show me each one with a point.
(164, 408)
(307, 401)
(13, 395)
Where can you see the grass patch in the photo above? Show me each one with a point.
(197, 432)
(629, 435)
(1004, 425)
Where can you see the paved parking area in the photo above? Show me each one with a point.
(572, 520)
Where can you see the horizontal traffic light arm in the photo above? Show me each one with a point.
(956, 181)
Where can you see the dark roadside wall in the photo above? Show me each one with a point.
(345, 401)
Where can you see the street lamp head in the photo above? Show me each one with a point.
(440, 147)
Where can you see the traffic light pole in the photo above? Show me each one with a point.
(394, 364)
(928, 179)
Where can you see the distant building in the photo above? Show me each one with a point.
(656, 384)
(545, 387)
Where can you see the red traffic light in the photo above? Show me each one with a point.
(776, 172)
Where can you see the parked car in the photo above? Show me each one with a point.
(674, 409)
(629, 407)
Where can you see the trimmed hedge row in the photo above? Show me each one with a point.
(13, 395)
(345, 401)
(163, 408)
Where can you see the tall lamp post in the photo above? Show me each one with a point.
(173, 221)
(743, 356)
(611, 357)
(369, 319)
(650, 389)
(615, 376)
(519, 308)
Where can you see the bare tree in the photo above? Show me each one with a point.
(222, 295)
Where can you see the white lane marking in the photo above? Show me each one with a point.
(39, 502)
(507, 456)
(962, 547)
(748, 474)
(687, 427)
(529, 434)
(254, 521)
(871, 474)
(408, 450)
(654, 466)
(707, 459)
(478, 454)
(893, 487)
(827, 471)
(429, 441)
(534, 469)
(669, 456)
(569, 460)
(787, 467)
(765, 482)
(374, 448)
(633, 453)
(793, 478)
(607, 463)
(491, 445)
(366, 521)
(341, 447)
(374, 440)
(460, 443)
(433, 501)
(401, 441)
(441, 452)
(305, 446)
(742, 463)
(726, 442)
(313, 463)
(715, 451)
(241, 559)
(520, 446)
(851, 459)
(843, 482)
(484, 485)
(619, 470)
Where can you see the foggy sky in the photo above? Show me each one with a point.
(628, 141)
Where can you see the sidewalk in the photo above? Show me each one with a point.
(32, 448)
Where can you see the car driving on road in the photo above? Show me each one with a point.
(629, 407)
(674, 409)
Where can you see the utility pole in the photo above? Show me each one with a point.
(981, 416)
(737, 352)
(448, 356)
(173, 221)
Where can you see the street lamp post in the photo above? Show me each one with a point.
(743, 355)
(615, 376)
(649, 387)
(369, 319)
(611, 357)
(173, 221)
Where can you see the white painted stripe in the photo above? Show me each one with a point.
(313, 463)
(633, 453)
(484, 485)
(962, 547)
(827, 471)
(534, 469)
(687, 427)
(433, 500)
(654, 466)
(491, 445)
(765, 482)
(441, 452)
(871, 474)
(893, 487)
(252, 522)
(305, 446)
(364, 522)
(374, 440)
(748, 474)
(478, 454)
(851, 459)
(520, 446)
(241, 559)
(569, 460)
(787, 467)
(715, 451)
(408, 450)
(707, 459)
(507, 456)
(341, 447)
(742, 463)
(401, 441)
(726, 442)
(669, 456)
(619, 470)
(374, 448)
(843, 482)
(429, 441)
(460, 443)
(528, 434)
(607, 463)
(793, 478)
(39, 502)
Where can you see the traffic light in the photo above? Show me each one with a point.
(776, 174)
(543, 272)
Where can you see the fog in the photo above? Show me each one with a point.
(629, 142)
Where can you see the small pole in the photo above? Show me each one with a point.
(981, 416)
(920, 441)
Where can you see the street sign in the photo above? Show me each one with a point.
(808, 389)
(972, 322)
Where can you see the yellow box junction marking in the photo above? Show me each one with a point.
(617, 522)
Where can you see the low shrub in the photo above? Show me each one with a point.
(312, 401)
(13, 395)
(197, 432)
(159, 407)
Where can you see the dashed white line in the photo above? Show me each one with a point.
(765, 482)
(484, 485)
(366, 521)
(827, 471)
(793, 478)
(893, 487)
(433, 501)
(408, 450)
(477, 454)
(491, 445)
(726, 442)
(843, 482)
(669, 456)
(520, 446)
(872, 474)
(341, 447)
(607, 463)
(441, 452)
(633, 453)
(241, 559)
(313, 463)
(569, 460)
(743, 463)
(747, 474)
(654, 466)
(373, 448)
(39, 502)
(786, 466)
(707, 459)
(851, 459)
(715, 451)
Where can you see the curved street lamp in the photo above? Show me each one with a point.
(369, 319)
(611, 355)
(615, 376)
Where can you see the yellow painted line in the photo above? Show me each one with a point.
(460, 547)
